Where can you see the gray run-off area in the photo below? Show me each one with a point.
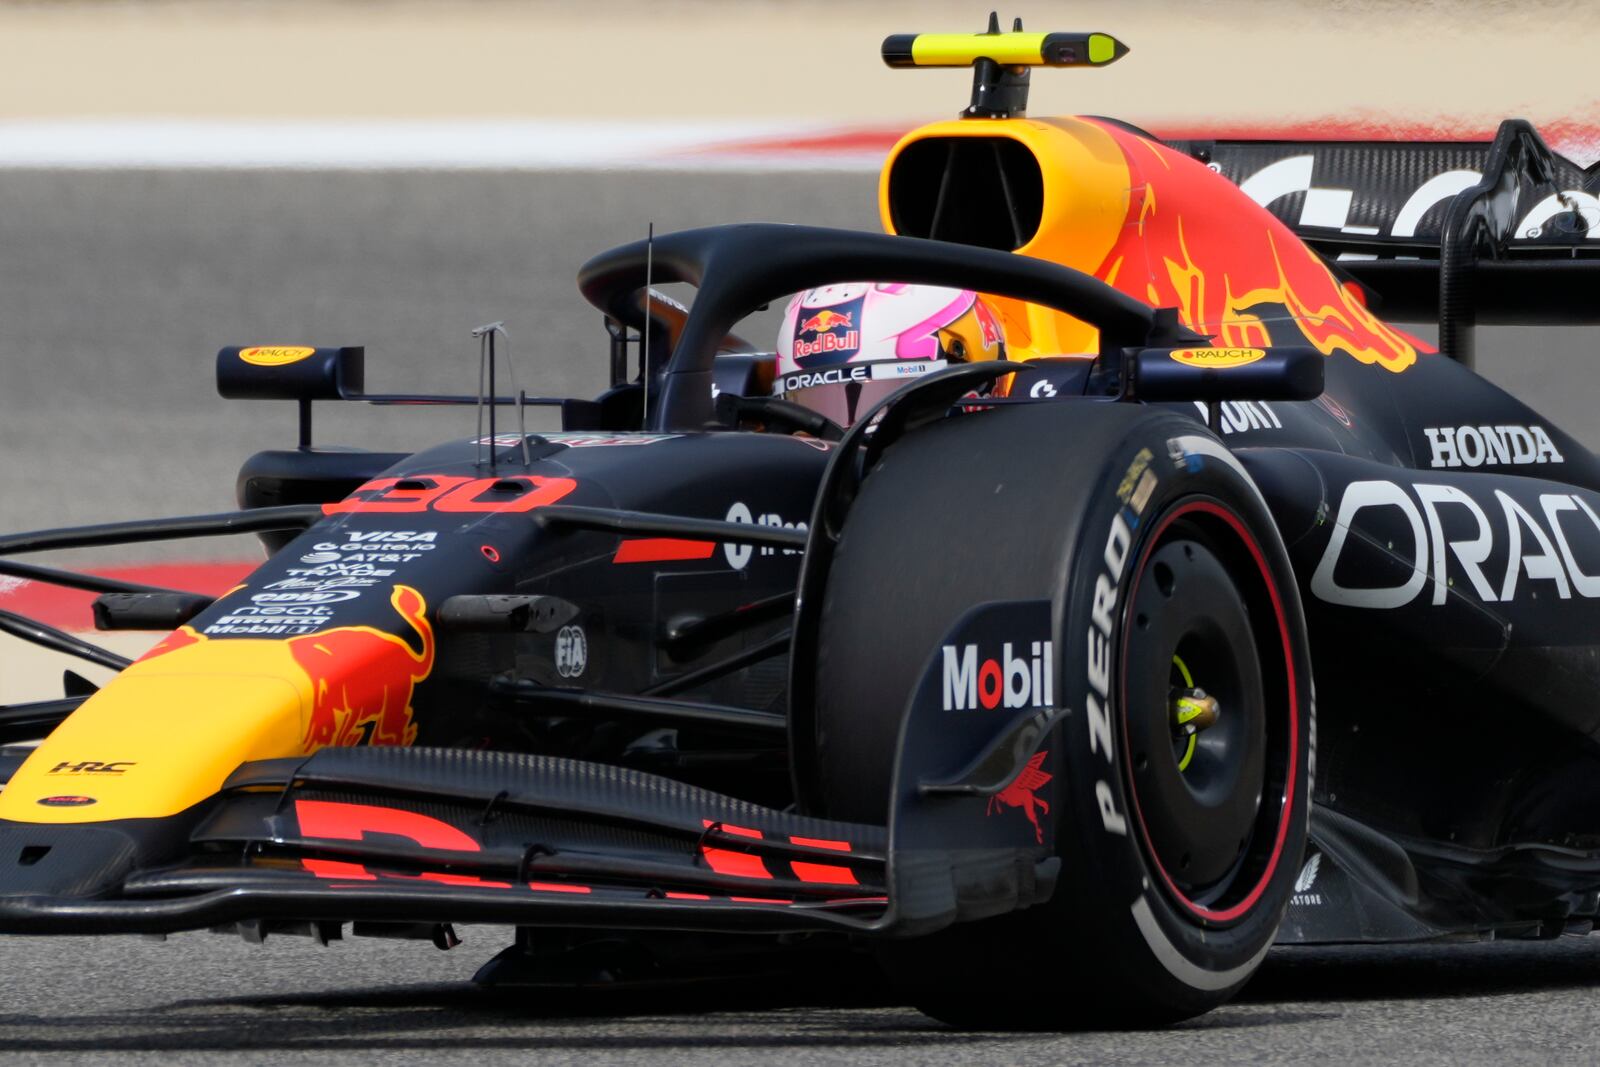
(117, 289)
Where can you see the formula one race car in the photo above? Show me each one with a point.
(1015, 669)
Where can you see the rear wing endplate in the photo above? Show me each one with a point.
(1504, 231)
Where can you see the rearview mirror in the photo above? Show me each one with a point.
(289, 372)
(1286, 373)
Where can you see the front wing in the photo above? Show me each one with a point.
(434, 836)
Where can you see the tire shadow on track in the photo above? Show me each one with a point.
(463, 1019)
(747, 995)
(454, 1020)
(1297, 988)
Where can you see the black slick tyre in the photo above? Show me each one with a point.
(1172, 599)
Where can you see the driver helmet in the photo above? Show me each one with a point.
(843, 348)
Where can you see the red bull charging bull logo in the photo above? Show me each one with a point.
(832, 333)
(1238, 276)
(361, 678)
(824, 321)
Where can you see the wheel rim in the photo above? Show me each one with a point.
(1213, 803)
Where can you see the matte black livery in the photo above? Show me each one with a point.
(1117, 662)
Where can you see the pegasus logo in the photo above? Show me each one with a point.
(1023, 793)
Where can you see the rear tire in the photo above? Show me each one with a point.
(1173, 881)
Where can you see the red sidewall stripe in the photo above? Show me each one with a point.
(1286, 810)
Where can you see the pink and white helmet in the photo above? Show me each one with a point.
(842, 348)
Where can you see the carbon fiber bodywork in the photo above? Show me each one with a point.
(567, 678)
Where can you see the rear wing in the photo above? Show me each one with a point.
(1502, 231)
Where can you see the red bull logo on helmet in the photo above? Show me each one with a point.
(846, 343)
(827, 335)
(825, 321)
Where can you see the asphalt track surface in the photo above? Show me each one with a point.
(116, 289)
(204, 998)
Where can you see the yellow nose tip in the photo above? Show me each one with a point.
(163, 736)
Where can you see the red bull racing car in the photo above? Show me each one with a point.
(1220, 613)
